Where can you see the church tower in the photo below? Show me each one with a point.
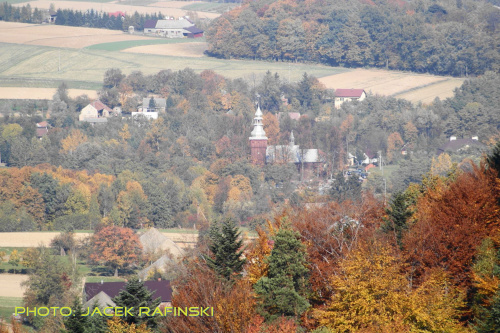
(258, 140)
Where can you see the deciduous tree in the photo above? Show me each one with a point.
(115, 247)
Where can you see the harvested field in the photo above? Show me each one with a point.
(389, 83)
(441, 89)
(40, 93)
(61, 36)
(177, 50)
(166, 8)
(10, 285)
(30, 239)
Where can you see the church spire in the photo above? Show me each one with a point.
(258, 140)
(258, 132)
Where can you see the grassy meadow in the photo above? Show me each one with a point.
(28, 63)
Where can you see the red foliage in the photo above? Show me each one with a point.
(452, 220)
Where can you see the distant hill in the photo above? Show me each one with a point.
(440, 37)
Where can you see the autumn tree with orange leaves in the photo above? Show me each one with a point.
(452, 219)
(115, 247)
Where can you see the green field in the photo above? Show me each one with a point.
(28, 63)
(7, 305)
(118, 46)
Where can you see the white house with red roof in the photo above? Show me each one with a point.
(345, 95)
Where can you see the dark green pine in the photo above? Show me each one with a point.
(398, 215)
(76, 323)
(282, 292)
(226, 249)
(137, 295)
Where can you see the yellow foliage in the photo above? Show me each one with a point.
(371, 294)
(72, 141)
(441, 165)
(124, 133)
(257, 266)
(116, 325)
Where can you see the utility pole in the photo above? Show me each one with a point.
(385, 192)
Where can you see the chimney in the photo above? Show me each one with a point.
(102, 281)
(475, 137)
(453, 138)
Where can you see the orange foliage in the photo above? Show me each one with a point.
(233, 305)
(261, 249)
(452, 220)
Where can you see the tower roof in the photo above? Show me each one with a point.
(258, 132)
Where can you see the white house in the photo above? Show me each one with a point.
(345, 95)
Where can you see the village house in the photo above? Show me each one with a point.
(96, 112)
(455, 145)
(42, 129)
(104, 292)
(346, 95)
(182, 28)
(160, 105)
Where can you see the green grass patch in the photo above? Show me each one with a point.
(41, 63)
(118, 46)
(7, 305)
(95, 279)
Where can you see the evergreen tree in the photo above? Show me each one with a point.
(345, 190)
(137, 295)
(398, 215)
(95, 324)
(282, 291)
(493, 159)
(76, 323)
(226, 249)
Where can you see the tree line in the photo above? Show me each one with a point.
(76, 18)
(443, 37)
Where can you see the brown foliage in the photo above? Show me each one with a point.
(452, 220)
(331, 232)
(198, 285)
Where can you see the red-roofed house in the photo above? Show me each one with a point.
(345, 95)
(41, 129)
(116, 14)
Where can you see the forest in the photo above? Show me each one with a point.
(429, 261)
(195, 156)
(456, 38)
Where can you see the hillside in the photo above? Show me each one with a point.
(440, 37)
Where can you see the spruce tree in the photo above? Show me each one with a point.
(76, 323)
(398, 215)
(225, 247)
(137, 295)
(282, 292)
(96, 324)
(493, 159)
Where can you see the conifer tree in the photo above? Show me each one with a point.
(137, 295)
(95, 324)
(225, 246)
(76, 323)
(493, 159)
(398, 215)
(282, 291)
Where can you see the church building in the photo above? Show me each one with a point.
(261, 153)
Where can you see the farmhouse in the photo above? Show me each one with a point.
(461, 145)
(182, 28)
(104, 292)
(160, 105)
(42, 129)
(95, 112)
(345, 95)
